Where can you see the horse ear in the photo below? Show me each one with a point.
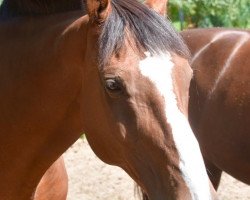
(98, 10)
(159, 6)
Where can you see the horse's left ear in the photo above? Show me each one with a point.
(159, 6)
(98, 10)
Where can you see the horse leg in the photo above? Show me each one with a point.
(54, 183)
(214, 173)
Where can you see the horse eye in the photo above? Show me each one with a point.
(113, 85)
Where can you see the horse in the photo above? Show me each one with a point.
(120, 74)
(219, 104)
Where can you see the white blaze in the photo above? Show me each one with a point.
(159, 70)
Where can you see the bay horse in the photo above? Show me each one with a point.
(120, 74)
(219, 105)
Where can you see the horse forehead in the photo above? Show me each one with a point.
(158, 69)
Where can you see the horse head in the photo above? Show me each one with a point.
(136, 81)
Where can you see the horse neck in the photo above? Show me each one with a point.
(38, 7)
(46, 67)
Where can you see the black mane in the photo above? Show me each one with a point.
(150, 31)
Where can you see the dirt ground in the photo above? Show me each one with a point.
(91, 179)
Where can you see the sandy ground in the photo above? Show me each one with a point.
(91, 179)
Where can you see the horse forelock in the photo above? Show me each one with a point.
(132, 20)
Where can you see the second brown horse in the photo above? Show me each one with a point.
(219, 107)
